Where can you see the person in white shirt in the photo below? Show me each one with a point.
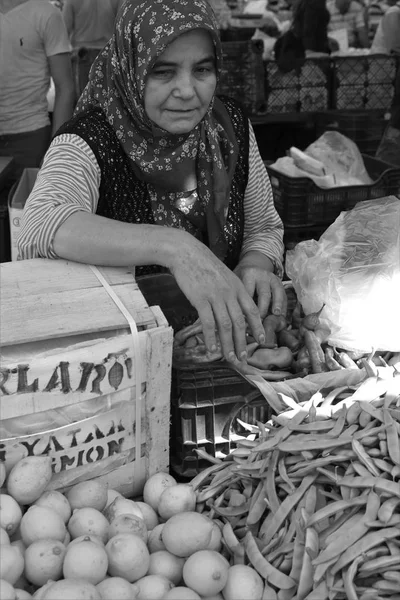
(34, 46)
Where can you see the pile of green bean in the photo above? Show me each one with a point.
(311, 499)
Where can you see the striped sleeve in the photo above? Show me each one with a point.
(263, 228)
(68, 182)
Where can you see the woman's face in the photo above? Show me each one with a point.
(182, 82)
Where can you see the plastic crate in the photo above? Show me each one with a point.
(299, 201)
(205, 399)
(306, 89)
(364, 128)
(242, 74)
(363, 82)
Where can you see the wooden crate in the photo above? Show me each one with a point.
(69, 374)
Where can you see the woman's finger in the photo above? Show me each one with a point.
(263, 296)
(225, 328)
(238, 331)
(208, 324)
(279, 300)
(249, 281)
(252, 316)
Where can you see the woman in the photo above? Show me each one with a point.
(150, 145)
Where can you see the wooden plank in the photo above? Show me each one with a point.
(75, 375)
(40, 275)
(72, 312)
(158, 398)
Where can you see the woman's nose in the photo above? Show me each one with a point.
(184, 87)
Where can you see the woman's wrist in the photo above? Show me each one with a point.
(254, 258)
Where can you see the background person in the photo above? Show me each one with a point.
(349, 15)
(387, 36)
(90, 23)
(154, 170)
(34, 46)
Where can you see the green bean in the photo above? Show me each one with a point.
(348, 579)
(370, 540)
(271, 526)
(377, 483)
(364, 458)
(335, 507)
(313, 444)
(392, 437)
(263, 567)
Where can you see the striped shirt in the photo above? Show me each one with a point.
(69, 181)
(352, 20)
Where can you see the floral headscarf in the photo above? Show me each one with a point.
(143, 30)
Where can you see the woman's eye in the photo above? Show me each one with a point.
(162, 73)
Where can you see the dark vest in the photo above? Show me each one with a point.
(124, 197)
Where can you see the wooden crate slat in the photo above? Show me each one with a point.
(69, 313)
(39, 275)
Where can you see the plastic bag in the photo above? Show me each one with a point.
(343, 162)
(354, 269)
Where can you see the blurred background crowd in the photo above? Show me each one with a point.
(40, 39)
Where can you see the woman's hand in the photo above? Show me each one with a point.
(256, 274)
(220, 298)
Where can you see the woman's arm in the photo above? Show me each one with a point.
(60, 221)
(260, 267)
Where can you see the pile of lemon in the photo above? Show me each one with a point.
(91, 543)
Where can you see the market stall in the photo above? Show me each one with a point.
(283, 476)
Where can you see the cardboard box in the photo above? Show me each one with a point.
(16, 201)
(74, 384)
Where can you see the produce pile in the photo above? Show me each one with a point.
(91, 543)
(312, 498)
(294, 346)
(307, 506)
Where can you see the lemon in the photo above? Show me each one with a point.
(166, 564)
(4, 537)
(154, 540)
(57, 501)
(87, 538)
(91, 493)
(7, 591)
(181, 593)
(10, 514)
(71, 589)
(206, 572)
(88, 521)
(150, 516)
(20, 545)
(40, 522)
(115, 588)
(28, 478)
(153, 587)
(44, 561)
(111, 495)
(244, 583)
(187, 533)
(11, 563)
(154, 487)
(122, 506)
(128, 524)
(128, 557)
(85, 560)
(176, 499)
(22, 594)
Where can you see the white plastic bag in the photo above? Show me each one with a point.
(354, 269)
